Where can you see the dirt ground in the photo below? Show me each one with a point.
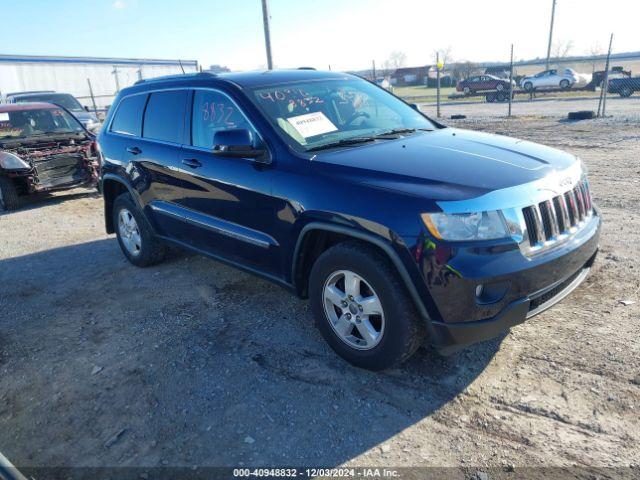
(192, 363)
(540, 107)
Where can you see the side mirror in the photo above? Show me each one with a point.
(86, 108)
(238, 142)
(414, 106)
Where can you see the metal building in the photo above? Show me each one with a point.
(72, 74)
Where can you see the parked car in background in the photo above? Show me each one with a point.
(624, 86)
(88, 119)
(483, 83)
(42, 148)
(597, 78)
(397, 228)
(554, 78)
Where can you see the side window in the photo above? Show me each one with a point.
(164, 116)
(212, 112)
(128, 117)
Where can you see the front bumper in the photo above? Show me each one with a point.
(524, 286)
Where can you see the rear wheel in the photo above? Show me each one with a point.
(362, 309)
(466, 90)
(136, 239)
(626, 92)
(528, 86)
(8, 195)
(564, 84)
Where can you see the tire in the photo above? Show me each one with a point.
(565, 84)
(490, 97)
(147, 249)
(400, 329)
(466, 90)
(581, 115)
(8, 195)
(626, 92)
(502, 97)
(528, 86)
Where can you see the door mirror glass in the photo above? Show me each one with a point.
(237, 142)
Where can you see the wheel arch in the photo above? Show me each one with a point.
(113, 186)
(312, 241)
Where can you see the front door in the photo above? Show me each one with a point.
(228, 199)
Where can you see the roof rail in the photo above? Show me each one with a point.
(175, 77)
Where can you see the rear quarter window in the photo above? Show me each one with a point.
(128, 116)
(164, 116)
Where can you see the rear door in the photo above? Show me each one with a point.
(231, 209)
(155, 167)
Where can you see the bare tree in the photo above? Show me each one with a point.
(444, 55)
(464, 70)
(561, 49)
(595, 51)
(396, 60)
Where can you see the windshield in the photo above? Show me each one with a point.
(328, 112)
(63, 99)
(39, 121)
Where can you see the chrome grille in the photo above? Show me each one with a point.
(550, 221)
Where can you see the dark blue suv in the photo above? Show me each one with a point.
(397, 228)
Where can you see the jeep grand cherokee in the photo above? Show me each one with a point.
(397, 228)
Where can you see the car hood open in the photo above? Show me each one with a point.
(445, 164)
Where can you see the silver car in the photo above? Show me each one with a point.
(553, 78)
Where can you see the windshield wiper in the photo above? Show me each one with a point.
(342, 143)
(396, 131)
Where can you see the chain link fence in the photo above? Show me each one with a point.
(573, 87)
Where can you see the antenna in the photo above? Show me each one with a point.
(181, 67)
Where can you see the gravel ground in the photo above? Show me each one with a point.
(193, 364)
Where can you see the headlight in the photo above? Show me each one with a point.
(466, 226)
(9, 161)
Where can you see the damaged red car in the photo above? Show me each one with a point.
(43, 148)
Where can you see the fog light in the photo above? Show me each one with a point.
(479, 290)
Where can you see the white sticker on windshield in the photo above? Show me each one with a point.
(311, 124)
(4, 117)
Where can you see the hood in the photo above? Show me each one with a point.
(85, 116)
(445, 164)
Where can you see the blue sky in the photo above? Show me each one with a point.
(346, 34)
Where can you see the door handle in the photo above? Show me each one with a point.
(191, 162)
(134, 150)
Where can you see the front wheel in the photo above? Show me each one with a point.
(564, 84)
(362, 309)
(528, 86)
(137, 241)
(8, 195)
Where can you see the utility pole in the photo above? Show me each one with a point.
(511, 80)
(267, 35)
(553, 14)
(373, 70)
(93, 99)
(605, 83)
(438, 84)
(115, 76)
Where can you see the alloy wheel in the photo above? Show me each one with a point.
(129, 232)
(353, 309)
